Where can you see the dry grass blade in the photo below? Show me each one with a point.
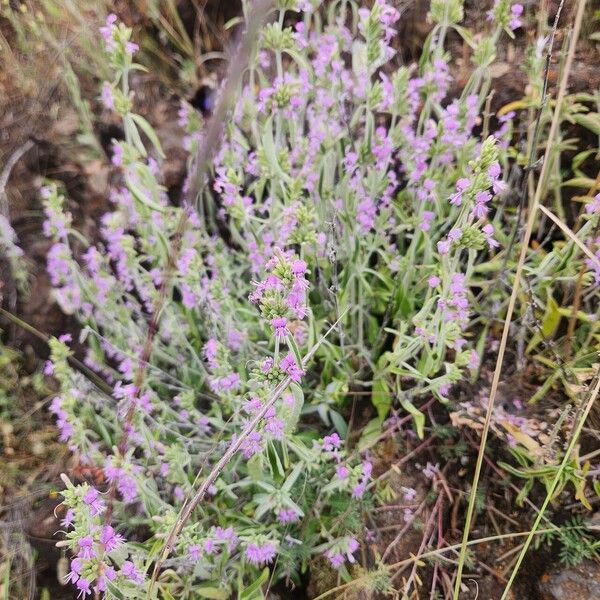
(515, 290)
(570, 234)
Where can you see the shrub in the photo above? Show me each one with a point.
(347, 190)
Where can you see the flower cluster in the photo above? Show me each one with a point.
(282, 294)
(98, 558)
(341, 551)
(506, 14)
(222, 379)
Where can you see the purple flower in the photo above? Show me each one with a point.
(130, 571)
(445, 389)
(86, 547)
(350, 160)
(516, 11)
(593, 207)
(426, 219)
(454, 235)
(366, 213)
(68, 518)
(227, 535)
(235, 339)
(84, 586)
(107, 96)
(280, 325)
(73, 575)
(295, 300)
(443, 247)
(367, 469)
(473, 360)
(127, 488)
(107, 30)
(488, 231)
(353, 546)
(48, 368)
(335, 558)
(342, 471)
(117, 157)
(331, 442)
(252, 444)
(276, 427)
(209, 546)
(288, 365)
(185, 260)
(110, 539)
(358, 490)
(287, 515)
(108, 573)
(258, 554)
(91, 498)
(433, 281)
(194, 551)
(131, 47)
(461, 185)
(409, 494)
(210, 353)
(298, 268)
(430, 470)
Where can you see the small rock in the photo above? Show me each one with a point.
(572, 583)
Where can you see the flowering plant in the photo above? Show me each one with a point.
(346, 190)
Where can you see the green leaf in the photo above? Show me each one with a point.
(549, 324)
(299, 59)
(466, 35)
(381, 397)
(292, 477)
(103, 431)
(295, 411)
(339, 423)
(582, 182)
(275, 462)
(149, 131)
(579, 158)
(141, 197)
(114, 590)
(370, 435)
(136, 140)
(359, 56)
(214, 593)
(255, 467)
(250, 592)
(418, 416)
(590, 121)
